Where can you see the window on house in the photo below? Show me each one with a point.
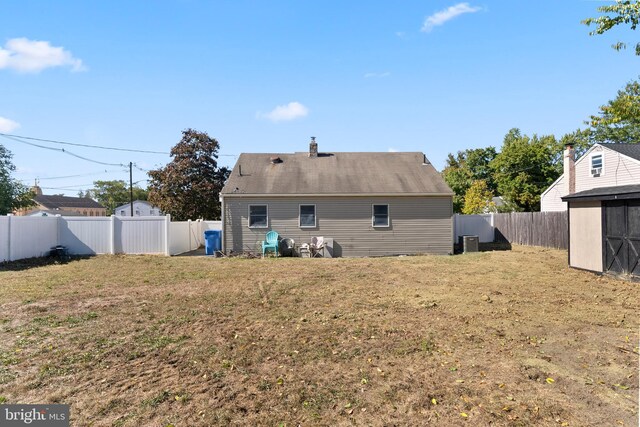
(258, 216)
(122, 213)
(596, 165)
(380, 215)
(137, 212)
(307, 216)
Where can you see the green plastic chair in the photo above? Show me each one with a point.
(270, 242)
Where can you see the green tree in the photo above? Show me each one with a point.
(13, 194)
(112, 194)
(619, 119)
(525, 167)
(466, 167)
(622, 12)
(478, 199)
(189, 186)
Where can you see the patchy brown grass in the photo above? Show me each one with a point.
(502, 338)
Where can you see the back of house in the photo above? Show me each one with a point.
(366, 204)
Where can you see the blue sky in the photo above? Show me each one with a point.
(430, 76)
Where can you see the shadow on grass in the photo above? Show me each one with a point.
(29, 263)
(486, 247)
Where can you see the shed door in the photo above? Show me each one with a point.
(622, 237)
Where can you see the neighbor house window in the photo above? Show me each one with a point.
(307, 216)
(380, 215)
(258, 216)
(596, 165)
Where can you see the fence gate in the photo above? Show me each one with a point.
(622, 236)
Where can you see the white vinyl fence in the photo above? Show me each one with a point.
(27, 237)
(474, 225)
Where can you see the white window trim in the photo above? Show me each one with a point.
(591, 156)
(315, 216)
(249, 217)
(373, 217)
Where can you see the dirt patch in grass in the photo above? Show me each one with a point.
(502, 338)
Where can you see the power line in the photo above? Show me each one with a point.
(79, 175)
(101, 147)
(61, 150)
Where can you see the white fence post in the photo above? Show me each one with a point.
(189, 231)
(113, 234)
(167, 233)
(9, 257)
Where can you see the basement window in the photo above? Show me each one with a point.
(380, 216)
(258, 216)
(307, 217)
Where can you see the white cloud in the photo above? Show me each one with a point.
(8, 125)
(32, 56)
(393, 150)
(371, 75)
(291, 111)
(439, 18)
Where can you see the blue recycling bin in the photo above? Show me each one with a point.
(212, 241)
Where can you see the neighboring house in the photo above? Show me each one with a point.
(140, 208)
(57, 204)
(604, 229)
(603, 165)
(53, 213)
(368, 204)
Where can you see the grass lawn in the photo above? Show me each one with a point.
(508, 338)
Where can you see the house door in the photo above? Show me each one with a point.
(622, 237)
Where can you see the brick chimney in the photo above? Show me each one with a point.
(313, 147)
(569, 169)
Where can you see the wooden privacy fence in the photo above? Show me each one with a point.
(548, 229)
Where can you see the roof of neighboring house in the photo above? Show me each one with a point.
(49, 212)
(335, 173)
(144, 202)
(630, 150)
(606, 193)
(57, 202)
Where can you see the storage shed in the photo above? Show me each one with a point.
(604, 230)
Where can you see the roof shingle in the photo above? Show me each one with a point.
(57, 202)
(336, 173)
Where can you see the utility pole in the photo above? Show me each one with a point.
(131, 186)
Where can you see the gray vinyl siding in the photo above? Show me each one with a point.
(417, 224)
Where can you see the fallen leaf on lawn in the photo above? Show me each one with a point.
(434, 401)
(550, 380)
(624, 387)
(462, 414)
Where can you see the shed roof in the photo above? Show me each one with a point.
(57, 202)
(630, 150)
(335, 173)
(606, 193)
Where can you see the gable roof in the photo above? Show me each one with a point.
(629, 150)
(335, 174)
(57, 202)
